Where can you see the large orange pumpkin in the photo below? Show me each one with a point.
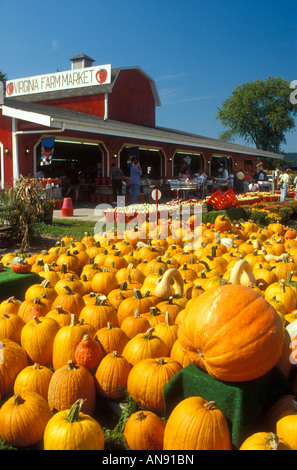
(233, 333)
(24, 419)
(13, 359)
(67, 384)
(196, 424)
(155, 374)
(144, 430)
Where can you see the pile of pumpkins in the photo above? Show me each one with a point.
(125, 312)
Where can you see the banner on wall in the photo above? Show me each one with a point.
(47, 150)
(132, 153)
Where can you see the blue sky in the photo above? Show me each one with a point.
(197, 51)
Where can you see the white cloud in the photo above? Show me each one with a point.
(169, 77)
(54, 44)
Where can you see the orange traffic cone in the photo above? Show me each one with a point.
(67, 208)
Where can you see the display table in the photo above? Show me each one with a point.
(241, 403)
(13, 284)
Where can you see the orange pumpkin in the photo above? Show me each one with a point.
(155, 373)
(65, 342)
(135, 324)
(264, 441)
(34, 378)
(62, 317)
(112, 338)
(111, 376)
(67, 384)
(88, 352)
(70, 301)
(24, 419)
(71, 261)
(130, 304)
(14, 359)
(144, 430)
(229, 326)
(195, 424)
(99, 313)
(37, 339)
(145, 345)
(11, 326)
(103, 282)
(37, 290)
(10, 305)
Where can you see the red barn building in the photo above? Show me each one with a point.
(96, 114)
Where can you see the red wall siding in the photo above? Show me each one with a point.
(83, 104)
(132, 100)
(6, 140)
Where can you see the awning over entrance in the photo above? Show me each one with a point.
(59, 118)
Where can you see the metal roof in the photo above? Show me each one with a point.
(60, 118)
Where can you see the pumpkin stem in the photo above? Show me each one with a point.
(140, 416)
(137, 294)
(68, 289)
(124, 285)
(154, 311)
(100, 300)
(272, 441)
(73, 321)
(36, 366)
(18, 400)
(161, 361)
(148, 334)
(282, 285)
(167, 319)
(71, 365)
(136, 313)
(73, 415)
(209, 405)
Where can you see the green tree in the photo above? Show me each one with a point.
(260, 112)
(3, 76)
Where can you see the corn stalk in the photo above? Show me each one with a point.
(27, 207)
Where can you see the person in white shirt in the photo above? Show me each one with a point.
(253, 186)
(284, 184)
(225, 173)
(200, 178)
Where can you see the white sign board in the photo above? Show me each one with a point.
(156, 194)
(88, 76)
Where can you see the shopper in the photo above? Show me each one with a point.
(253, 186)
(239, 181)
(231, 179)
(117, 176)
(135, 174)
(284, 184)
(225, 173)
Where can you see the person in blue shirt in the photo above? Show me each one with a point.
(135, 173)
